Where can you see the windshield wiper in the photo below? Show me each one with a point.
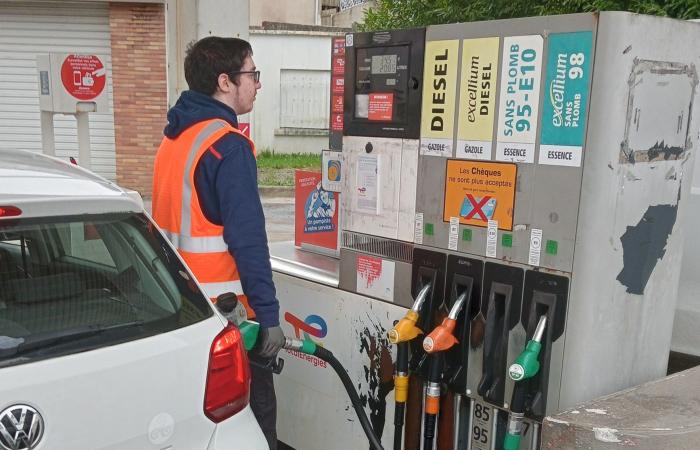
(49, 339)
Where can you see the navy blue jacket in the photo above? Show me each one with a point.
(226, 181)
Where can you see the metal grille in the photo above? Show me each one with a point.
(387, 248)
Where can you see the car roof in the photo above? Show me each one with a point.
(45, 186)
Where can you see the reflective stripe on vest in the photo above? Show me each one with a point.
(206, 253)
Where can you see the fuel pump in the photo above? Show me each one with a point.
(402, 333)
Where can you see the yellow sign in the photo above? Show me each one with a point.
(477, 192)
(477, 98)
(439, 92)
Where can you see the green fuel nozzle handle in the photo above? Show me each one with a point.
(251, 330)
(527, 364)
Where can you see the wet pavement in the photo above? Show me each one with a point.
(279, 218)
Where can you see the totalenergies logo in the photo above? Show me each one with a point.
(313, 325)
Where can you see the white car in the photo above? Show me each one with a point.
(106, 339)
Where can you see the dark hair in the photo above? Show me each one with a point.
(211, 56)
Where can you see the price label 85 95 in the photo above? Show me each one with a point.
(481, 426)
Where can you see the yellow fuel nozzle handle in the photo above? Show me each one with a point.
(406, 329)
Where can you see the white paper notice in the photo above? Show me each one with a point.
(418, 232)
(491, 238)
(535, 247)
(367, 194)
(375, 277)
(454, 233)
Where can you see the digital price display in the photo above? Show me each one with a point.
(384, 64)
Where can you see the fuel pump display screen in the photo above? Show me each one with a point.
(384, 64)
(381, 82)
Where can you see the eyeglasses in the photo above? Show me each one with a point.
(255, 73)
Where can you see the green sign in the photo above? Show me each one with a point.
(566, 93)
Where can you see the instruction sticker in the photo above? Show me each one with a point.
(367, 184)
(439, 92)
(332, 169)
(520, 93)
(478, 192)
(477, 98)
(566, 98)
(454, 233)
(375, 277)
(491, 238)
(535, 247)
(381, 107)
(418, 231)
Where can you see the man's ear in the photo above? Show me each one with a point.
(224, 83)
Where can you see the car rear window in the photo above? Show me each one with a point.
(77, 283)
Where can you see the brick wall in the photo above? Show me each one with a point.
(140, 89)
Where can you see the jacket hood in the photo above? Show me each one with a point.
(193, 107)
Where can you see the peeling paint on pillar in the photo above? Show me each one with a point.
(378, 374)
(644, 245)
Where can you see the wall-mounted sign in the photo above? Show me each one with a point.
(315, 212)
(477, 102)
(566, 98)
(520, 95)
(478, 192)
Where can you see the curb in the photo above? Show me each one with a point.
(276, 191)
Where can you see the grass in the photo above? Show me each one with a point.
(277, 169)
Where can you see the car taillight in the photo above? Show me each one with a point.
(10, 211)
(228, 377)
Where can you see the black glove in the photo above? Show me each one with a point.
(271, 341)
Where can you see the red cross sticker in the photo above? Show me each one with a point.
(477, 208)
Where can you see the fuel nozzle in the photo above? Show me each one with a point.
(526, 366)
(442, 337)
(406, 330)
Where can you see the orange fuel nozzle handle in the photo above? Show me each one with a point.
(406, 330)
(441, 338)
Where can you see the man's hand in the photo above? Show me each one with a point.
(271, 341)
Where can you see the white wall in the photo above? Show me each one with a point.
(303, 12)
(686, 327)
(273, 52)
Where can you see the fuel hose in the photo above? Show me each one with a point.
(328, 357)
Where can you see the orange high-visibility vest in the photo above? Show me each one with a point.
(177, 212)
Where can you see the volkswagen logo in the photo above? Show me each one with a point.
(21, 428)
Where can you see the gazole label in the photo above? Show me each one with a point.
(521, 68)
(477, 98)
(439, 91)
(566, 98)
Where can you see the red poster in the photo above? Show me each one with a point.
(337, 121)
(83, 76)
(338, 65)
(315, 211)
(339, 46)
(245, 128)
(338, 86)
(381, 107)
(337, 103)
